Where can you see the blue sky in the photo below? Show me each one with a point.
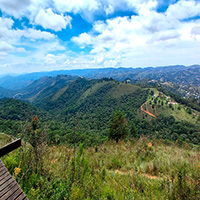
(50, 35)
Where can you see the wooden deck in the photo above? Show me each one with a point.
(9, 188)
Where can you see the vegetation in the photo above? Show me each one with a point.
(137, 169)
(118, 128)
(80, 113)
(92, 141)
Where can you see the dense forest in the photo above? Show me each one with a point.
(76, 110)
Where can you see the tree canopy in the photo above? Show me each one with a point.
(118, 128)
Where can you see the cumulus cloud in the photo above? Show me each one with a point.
(148, 37)
(183, 9)
(49, 20)
(83, 40)
(6, 22)
(50, 59)
(144, 34)
(37, 34)
(14, 7)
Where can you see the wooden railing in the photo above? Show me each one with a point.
(10, 147)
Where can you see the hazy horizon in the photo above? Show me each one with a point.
(62, 35)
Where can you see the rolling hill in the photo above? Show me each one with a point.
(43, 87)
(77, 109)
(6, 92)
(84, 103)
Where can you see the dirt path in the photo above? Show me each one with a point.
(146, 111)
(132, 172)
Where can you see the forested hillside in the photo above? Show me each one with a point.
(79, 110)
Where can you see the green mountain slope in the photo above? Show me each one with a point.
(13, 109)
(6, 93)
(79, 109)
(88, 104)
(43, 87)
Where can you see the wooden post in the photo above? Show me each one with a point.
(10, 147)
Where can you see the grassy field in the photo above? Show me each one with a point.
(179, 111)
(123, 89)
(4, 139)
(144, 169)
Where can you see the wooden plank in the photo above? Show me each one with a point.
(22, 196)
(10, 147)
(2, 171)
(15, 194)
(9, 188)
(3, 176)
(6, 186)
(1, 164)
(3, 182)
(11, 191)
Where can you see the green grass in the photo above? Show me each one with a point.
(59, 93)
(132, 170)
(123, 89)
(93, 89)
(179, 114)
(4, 139)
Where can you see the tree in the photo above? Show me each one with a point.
(118, 128)
(133, 131)
(152, 93)
(36, 136)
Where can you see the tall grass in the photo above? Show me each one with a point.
(143, 169)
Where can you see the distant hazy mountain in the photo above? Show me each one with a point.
(43, 87)
(177, 74)
(6, 93)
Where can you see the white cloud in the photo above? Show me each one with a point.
(83, 40)
(144, 38)
(148, 38)
(6, 22)
(20, 50)
(14, 7)
(76, 5)
(183, 9)
(49, 20)
(5, 47)
(109, 9)
(3, 55)
(50, 59)
(37, 34)
(164, 35)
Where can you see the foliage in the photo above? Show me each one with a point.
(144, 169)
(118, 128)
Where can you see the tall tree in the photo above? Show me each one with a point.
(133, 131)
(118, 128)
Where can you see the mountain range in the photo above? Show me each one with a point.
(177, 74)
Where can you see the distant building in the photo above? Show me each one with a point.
(127, 81)
(173, 103)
